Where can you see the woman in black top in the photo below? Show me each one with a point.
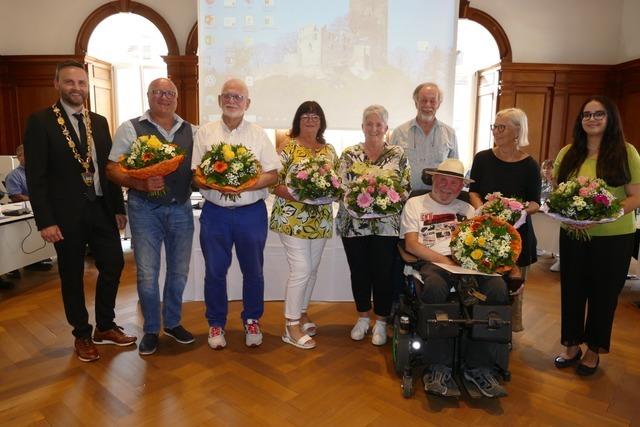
(514, 173)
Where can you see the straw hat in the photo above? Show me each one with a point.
(450, 167)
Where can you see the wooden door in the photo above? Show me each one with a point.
(488, 81)
(101, 95)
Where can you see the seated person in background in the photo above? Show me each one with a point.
(16, 181)
(424, 225)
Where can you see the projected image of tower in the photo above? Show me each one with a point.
(368, 21)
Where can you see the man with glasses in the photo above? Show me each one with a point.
(427, 142)
(157, 220)
(241, 222)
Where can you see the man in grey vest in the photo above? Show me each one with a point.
(157, 220)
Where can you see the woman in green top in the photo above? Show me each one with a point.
(304, 229)
(594, 272)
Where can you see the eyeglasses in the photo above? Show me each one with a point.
(597, 115)
(232, 97)
(497, 128)
(169, 94)
(310, 117)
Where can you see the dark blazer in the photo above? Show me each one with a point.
(56, 188)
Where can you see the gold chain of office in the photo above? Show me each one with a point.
(87, 176)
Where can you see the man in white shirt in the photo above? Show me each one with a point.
(426, 225)
(239, 222)
(426, 140)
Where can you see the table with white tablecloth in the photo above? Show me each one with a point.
(20, 241)
(547, 232)
(333, 282)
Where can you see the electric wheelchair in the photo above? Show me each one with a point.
(461, 319)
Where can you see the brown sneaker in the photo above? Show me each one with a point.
(87, 352)
(113, 336)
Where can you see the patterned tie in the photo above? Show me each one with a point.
(82, 130)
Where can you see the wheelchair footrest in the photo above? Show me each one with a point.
(491, 323)
(438, 320)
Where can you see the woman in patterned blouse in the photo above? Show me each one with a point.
(303, 229)
(370, 244)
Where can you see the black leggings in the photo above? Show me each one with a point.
(371, 261)
(592, 275)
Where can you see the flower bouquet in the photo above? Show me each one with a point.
(506, 208)
(374, 193)
(313, 181)
(149, 156)
(229, 169)
(486, 244)
(582, 201)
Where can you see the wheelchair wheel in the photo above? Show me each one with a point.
(407, 386)
(400, 349)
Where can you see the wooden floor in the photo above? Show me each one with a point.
(340, 383)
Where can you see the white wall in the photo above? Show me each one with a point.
(630, 41)
(567, 31)
(546, 31)
(38, 27)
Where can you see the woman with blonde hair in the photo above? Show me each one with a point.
(507, 168)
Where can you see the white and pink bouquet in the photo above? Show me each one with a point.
(507, 209)
(314, 181)
(582, 201)
(374, 193)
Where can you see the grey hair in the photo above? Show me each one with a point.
(418, 88)
(376, 109)
(519, 119)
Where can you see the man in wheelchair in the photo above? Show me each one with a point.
(426, 225)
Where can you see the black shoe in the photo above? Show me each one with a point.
(585, 371)
(148, 345)
(5, 284)
(180, 334)
(561, 362)
(485, 381)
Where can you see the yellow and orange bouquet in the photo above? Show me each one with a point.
(149, 156)
(228, 168)
(486, 244)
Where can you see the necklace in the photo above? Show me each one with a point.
(87, 175)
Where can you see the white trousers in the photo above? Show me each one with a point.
(304, 258)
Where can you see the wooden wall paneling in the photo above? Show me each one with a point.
(27, 87)
(536, 103)
(183, 72)
(101, 96)
(629, 99)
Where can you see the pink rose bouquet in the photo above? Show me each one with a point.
(314, 181)
(506, 208)
(374, 193)
(582, 201)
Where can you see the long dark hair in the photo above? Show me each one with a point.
(309, 107)
(612, 164)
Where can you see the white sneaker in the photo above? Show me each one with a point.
(253, 335)
(216, 338)
(556, 266)
(379, 336)
(360, 329)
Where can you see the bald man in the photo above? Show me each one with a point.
(225, 223)
(157, 220)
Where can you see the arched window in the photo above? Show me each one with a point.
(477, 51)
(134, 46)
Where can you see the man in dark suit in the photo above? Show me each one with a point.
(74, 205)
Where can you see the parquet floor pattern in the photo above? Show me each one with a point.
(340, 383)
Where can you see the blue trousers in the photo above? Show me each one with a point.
(153, 225)
(220, 229)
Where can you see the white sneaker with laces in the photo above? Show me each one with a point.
(253, 335)
(379, 336)
(360, 329)
(216, 338)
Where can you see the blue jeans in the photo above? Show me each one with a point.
(221, 229)
(152, 225)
